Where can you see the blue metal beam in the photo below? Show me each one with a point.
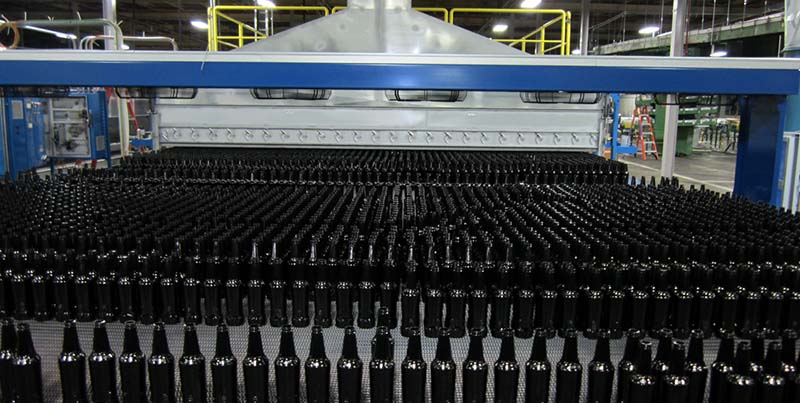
(478, 77)
(759, 154)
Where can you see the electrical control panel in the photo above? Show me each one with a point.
(78, 126)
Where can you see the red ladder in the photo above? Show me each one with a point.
(646, 137)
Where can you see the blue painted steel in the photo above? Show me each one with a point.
(25, 135)
(214, 74)
(615, 127)
(760, 148)
(138, 143)
(98, 129)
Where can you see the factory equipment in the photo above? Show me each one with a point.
(60, 126)
(404, 199)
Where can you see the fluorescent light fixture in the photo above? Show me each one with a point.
(649, 30)
(719, 53)
(576, 51)
(530, 3)
(199, 24)
(266, 3)
(124, 46)
(57, 34)
(500, 28)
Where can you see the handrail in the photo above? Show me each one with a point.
(215, 14)
(562, 16)
(89, 41)
(445, 12)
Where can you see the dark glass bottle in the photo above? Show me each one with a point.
(546, 297)
(721, 367)
(593, 303)
(456, 295)
(102, 366)
(502, 295)
(297, 268)
(161, 368)
(434, 296)
(506, 371)
(675, 385)
(410, 296)
(637, 297)
(705, 294)
(660, 298)
(538, 370)
(224, 369)
(256, 288)
(600, 371)
(349, 369)
(344, 288)
(381, 367)
(132, 367)
(8, 346)
(788, 363)
(443, 372)
(525, 297)
(255, 368)
(146, 290)
(682, 295)
(322, 287)
(474, 372)
(569, 371)
(27, 367)
(234, 315)
(366, 291)
(287, 369)
(615, 294)
(277, 289)
(696, 369)
(661, 364)
(61, 301)
(757, 354)
(389, 285)
(740, 387)
(726, 303)
(568, 294)
(72, 366)
(192, 368)
(212, 285)
(414, 371)
(642, 385)
(627, 366)
(191, 284)
(318, 370)
(771, 385)
(41, 283)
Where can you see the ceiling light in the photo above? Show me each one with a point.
(266, 3)
(199, 24)
(649, 30)
(719, 53)
(530, 3)
(500, 28)
(124, 46)
(576, 51)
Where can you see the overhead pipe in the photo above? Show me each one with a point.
(95, 22)
(89, 41)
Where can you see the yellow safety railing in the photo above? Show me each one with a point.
(244, 32)
(435, 10)
(539, 37)
(562, 20)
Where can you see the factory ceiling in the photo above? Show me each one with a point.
(611, 21)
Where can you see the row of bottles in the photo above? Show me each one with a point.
(372, 166)
(461, 294)
(677, 373)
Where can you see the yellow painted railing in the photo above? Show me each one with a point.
(562, 20)
(435, 10)
(245, 33)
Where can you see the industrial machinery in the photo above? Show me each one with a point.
(50, 127)
(376, 185)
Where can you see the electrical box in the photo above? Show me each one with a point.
(38, 129)
(78, 126)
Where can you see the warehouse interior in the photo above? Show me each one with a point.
(438, 201)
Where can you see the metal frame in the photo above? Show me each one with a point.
(766, 82)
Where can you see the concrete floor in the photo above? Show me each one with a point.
(713, 169)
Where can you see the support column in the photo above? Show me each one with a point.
(110, 13)
(759, 157)
(584, 44)
(671, 118)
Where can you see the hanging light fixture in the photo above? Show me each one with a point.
(530, 3)
(199, 24)
(500, 27)
(649, 30)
